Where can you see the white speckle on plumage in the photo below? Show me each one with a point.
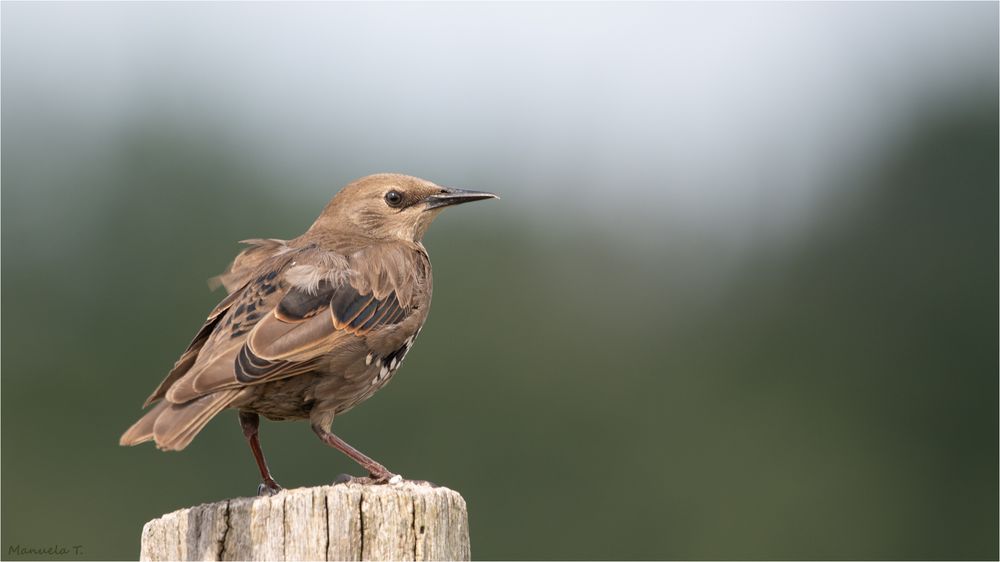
(383, 372)
(368, 358)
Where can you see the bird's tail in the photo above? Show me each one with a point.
(173, 426)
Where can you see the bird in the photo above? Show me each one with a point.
(310, 327)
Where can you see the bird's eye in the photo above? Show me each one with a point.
(394, 198)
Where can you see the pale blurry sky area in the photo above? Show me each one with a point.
(724, 118)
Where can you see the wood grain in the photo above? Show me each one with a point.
(407, 521)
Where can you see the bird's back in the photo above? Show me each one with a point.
(306, 331)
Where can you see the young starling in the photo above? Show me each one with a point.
(312, 326)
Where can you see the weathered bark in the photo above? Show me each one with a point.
(405, 521)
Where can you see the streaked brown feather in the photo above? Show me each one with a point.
(213, 368)
(385, 268)
(177, 425)
(248, 261)
(142, 430)
(190, 355)
(281, 325)
(298, 310)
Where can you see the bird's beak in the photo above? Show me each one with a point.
(451, 196)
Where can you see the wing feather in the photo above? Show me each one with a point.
(190, 355)
(280, 325)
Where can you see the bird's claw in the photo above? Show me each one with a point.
(344, 479)
(268, 488)
(385, 478)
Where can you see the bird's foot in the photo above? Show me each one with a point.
(374, 479)
(371, 479)
(268, 488)
(385, 477)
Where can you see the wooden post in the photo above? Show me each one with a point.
(407, 521)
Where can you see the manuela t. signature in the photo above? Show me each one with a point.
(53, 550)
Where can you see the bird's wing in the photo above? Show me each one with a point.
(286, 320)
(190, 355)
(305, 326)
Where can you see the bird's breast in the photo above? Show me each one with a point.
(341, 391)
(388, 363)
(333, 386)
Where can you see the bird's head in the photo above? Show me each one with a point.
(391, 206)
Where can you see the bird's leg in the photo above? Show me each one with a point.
(250, 422)
(378, 473)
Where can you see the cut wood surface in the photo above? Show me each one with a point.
(407, 521)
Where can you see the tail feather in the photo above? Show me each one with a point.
(142, 430)
(174, 426)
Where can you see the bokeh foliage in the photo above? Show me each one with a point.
(833, 396)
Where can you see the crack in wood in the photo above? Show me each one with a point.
(355, 522)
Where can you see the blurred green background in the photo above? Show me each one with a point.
(739, 299)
